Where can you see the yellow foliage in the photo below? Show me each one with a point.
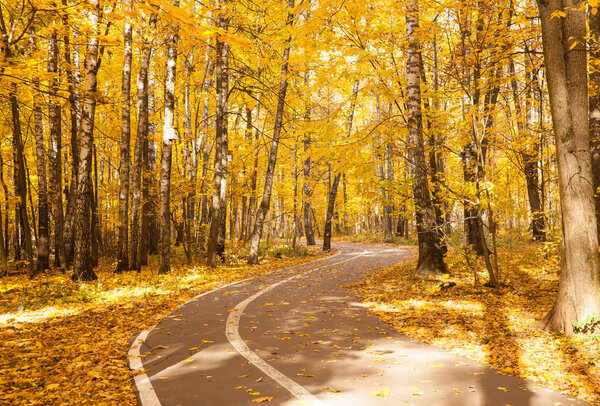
(492, 326)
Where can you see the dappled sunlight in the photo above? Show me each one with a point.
(494, 327)
(61, 339)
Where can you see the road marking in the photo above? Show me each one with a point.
(233, 335)
(142, 382)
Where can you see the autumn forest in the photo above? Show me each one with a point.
(153, 150)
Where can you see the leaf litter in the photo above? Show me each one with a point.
(493, 326)
(67, 343)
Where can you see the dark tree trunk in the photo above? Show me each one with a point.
(54, 118)
(528, 157)
(20, 182)
(43, 237)
(75, 111)
(137, 245)
(123, 237)
(266, 197)
(330, 208)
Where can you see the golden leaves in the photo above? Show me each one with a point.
(67, 343)
(263, 399)
(491, 326)
(383, 392)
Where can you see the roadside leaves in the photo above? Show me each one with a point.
(492, 326)
(67, 343)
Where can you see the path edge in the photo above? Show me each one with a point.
(145, 391)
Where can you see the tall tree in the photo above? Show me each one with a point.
(82, 259)
(336, 179)
(594, 101)
(266, 197)
(74, 79)
(43, 246)
(566, 68)
(136, 241)
(529, 154)
(216, 234)
(122, 258)
(169, 134)
(431, 259)
(308, 228)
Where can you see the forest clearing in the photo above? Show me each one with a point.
(152, 151)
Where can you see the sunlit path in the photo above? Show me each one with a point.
(305, 336)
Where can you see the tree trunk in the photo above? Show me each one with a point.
(216, 234)
(54, 118)
(82, 260)
(528, 157)
(431, 259)
(43, 237)
(252, 201)
(20, 182)
(136, 241)
(245, 211)
(334, 185)
(205, 146)
(330, 208)
(122, 239)
(566, 67)
(266, 197)
(308, 225)
(169, 134)
(75, 109)
(189, 201)
(594, 108)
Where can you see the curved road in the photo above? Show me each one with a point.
(298, 336)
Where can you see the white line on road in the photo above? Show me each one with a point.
(233, 335)
(142, 382)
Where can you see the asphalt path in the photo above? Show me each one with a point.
(299, 336)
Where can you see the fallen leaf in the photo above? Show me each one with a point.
(263, 399)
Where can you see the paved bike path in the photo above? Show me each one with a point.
(299, 336)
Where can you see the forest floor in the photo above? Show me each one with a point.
(493, 326)
(66, 343)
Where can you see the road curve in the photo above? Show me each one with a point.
(299, 336)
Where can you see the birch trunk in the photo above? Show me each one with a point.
(216, 242)
(82, 259)
(308, 224)
(216, 234)
(169, 134)
(205, 147)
